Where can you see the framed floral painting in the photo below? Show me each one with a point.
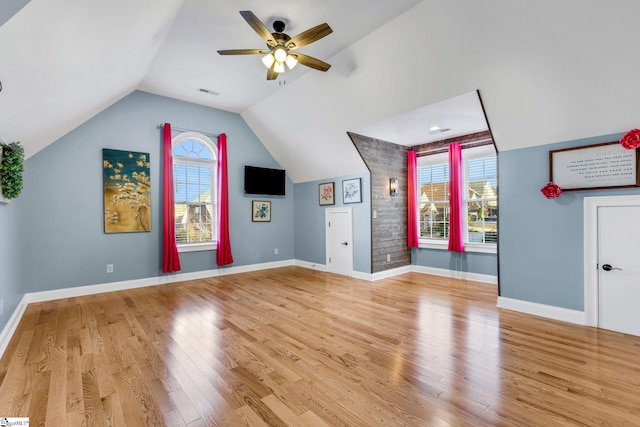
(351, 192)
(260, 211)
(326, 194)
(126, 191)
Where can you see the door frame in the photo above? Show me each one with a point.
(327, 212)
(591, 294)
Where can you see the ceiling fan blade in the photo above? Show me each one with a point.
(309, 36)
(243, 52)
(271, 74)
(258, 27)
(312, 62)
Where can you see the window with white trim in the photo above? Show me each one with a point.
(480, 199)
(194, 183)
(433, 201)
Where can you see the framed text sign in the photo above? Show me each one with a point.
(591, 167)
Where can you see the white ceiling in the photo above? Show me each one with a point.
(455, 116)
(547, 71)
(188, 59)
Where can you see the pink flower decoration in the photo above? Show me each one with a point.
(631, 140)
(551, 191)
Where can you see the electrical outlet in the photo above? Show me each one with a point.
(375, 214)
(109, 268)
(388, 257)
(275, 251)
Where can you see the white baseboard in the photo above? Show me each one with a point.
(361, 276)
(150, 281)
(391, 273)
(463, 275)
(485, 278)
(311, 265)
(548, 311)
(12, 324)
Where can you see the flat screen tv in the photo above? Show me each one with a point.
(264, 181)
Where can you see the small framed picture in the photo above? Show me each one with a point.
(326, 194)
(260, 211)
(351, 191)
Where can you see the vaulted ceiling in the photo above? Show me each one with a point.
(547, 71)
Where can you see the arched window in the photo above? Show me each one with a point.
(194, 181)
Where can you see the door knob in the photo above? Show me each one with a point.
(344, 244)
(607, 267)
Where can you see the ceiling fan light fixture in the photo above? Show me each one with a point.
(278, 67)
(280, 54)
(276, 56)
(291, 61)
(268, 60)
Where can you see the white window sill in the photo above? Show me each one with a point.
(468, 247)
(489, 248)
(433, 244)
(195, 247)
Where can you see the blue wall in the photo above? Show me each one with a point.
(310, 244)
(310, 239)
(468, 262)
(11, 243)
(61, 206)
(541, 241)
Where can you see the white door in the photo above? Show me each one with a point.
(619, 268)
(339, 241)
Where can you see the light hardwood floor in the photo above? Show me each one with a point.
(298, 347)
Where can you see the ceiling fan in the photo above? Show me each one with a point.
(280, 46)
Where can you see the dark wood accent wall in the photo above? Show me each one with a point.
(388, 213)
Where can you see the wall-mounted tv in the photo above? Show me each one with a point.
(266, 181)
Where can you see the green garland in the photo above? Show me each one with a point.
(11, 169)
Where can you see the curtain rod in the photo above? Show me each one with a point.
(483, 141)
(177, 129)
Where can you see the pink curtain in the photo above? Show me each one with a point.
(170, 257)
(412, 200)
(223, 256)
(456, 221)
